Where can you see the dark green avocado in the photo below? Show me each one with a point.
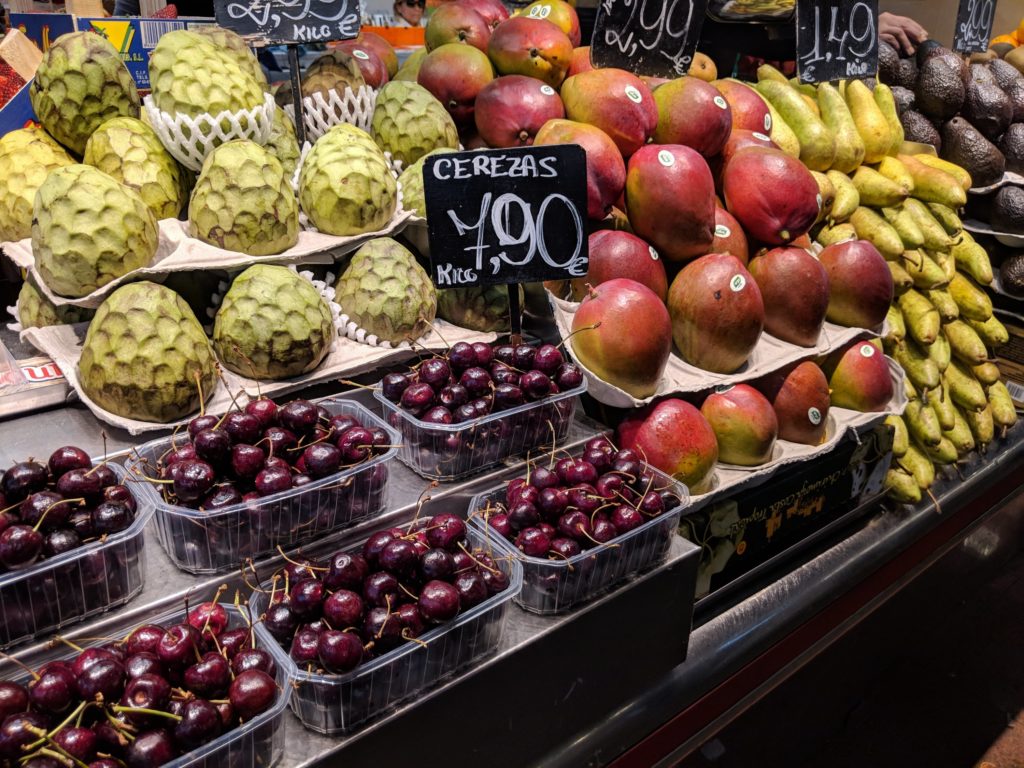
(1012, 147)
(1008, 210)
(906, 73)
(940, 89)
(888, 61)
(964, 145)
(1011, 274)
(917, 127)
(904, 98)
(987, 107)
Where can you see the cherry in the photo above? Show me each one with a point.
(437, 564)
(104, 678)
(81, 522)
(495, 580)
(251, 693)
(471, 587)
(280, 621)
(381, 589)
(264, 410)
(462, 355)
(355, 444)
(246, 460)
(393, 385)
(17, 732)
(383, 628)
(411, 620)
(80, 743)
(143, 663)
(253, 658)
(13, 699)
(322, 459)
(542, 477)
(87, 658)
(463, 561)
(585, 499)
(445, 531)
(523, 357)
(20, 546)
(150, 749)
(144, 639)
(477, 382)
(438, 601)
(53, 691)
(581, 472)
(505, 353)
(569, 376)
(200, 723)
(435, 372)
(179, 645)
(298, 569)
(417, 398)
(47, 506)
(106, 762)
(307, 598)
(343, 609)
(80, 483)
(548, 359)
(533, 542)
(304, 646)
(192, 480)
(339, 423)
(213, 446)
(548, 530)
(200, 423)
(22, 479)
(234, 641)
(603, 529)
(437, 415)
(111, 517)
(121, 495)
(271, 480)
(209, 677)
(400, 557)
(339, 651)
(372, 547)
(483, 352)
(575, 525)
(60, 541)
(607, 486)
(522, 515)
(503, 374)
(651, 504)
(148, 691)
(565, 547)
(347, 571)
(625, 518)
(299, 416)
(242, 427)
(452, 396)
(66, 458)
(105, 474)
(280, 440)
(523, 493)
(535, 385)
(464, 413)
(553, 501)
(222, 495)
(6, 521)
(185, 452)
(507, 396)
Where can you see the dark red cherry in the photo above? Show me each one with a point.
(338, 651)
(251, 693)
(65, 459)
(23, 479)
(347, 571)
(200, 723)
(299, 416)
(264, 410)
(438, 602)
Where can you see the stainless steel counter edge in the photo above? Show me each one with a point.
(728, 642)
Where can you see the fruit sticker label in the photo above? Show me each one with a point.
(867, 350)
(547, 90)
(633, 94)
(504, 216)
(768, 121)
(270, 22)
(720, 102)
(647, 37)
(666, 158)
(360, 54)
(836, 39)
(722, 231)
(814, 416)
(761, 136)
(973, 27)
(654, 253)
(738, 283)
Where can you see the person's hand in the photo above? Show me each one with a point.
(901, 32)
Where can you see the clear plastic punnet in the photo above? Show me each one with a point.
(220, 540)
(454, 451)
(337, 704)
(78, 584)
(258, 743)
(555, 586)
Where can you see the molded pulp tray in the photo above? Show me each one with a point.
(221, 540)
(337, 704)
(259, 743)
(554, 586)
(78, 584)
(453, 451)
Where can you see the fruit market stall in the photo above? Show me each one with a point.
(393, 420)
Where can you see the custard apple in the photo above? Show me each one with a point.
(273, 324)
(189, 74)
(336, 70)
(130, 151)
(243, 201)
(283, 143)
(479, 308)
(80, 84)
(88, 229)
(411, 182)
(345, 187)
(385, 291)
(233, 44)
(37, 311)
(145, 355)
(409, 122)
(26, 158)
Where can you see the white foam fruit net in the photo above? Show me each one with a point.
(320, 113)
(191, 139)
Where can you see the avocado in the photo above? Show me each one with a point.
(1008, 210)
(987, 107)
(926, 49)
(917, 127)
(906, 73)
(888, 60)
(963, 145)
(940, 89)
(904, 98)
(1011, 274)
(979, 206)
(1012, 147)
(982, 73)
(1004, 73)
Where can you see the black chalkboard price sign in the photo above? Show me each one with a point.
(504, 216)
(973, 25)
(836, 39)
(647, 37)
(271, 22)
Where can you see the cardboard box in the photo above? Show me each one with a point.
(133, 37)
(1010, 356)
(741, 532)
(19, 60)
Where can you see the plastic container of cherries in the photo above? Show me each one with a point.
(580, 523)
(398, 640)
(480, 404)
(218, 538)
(78, 571)
(135, 666)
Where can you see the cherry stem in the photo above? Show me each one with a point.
(407, 635)
(312, 569)
(474, 559)
(144, 711)
(357, 385)
(209, 614)
(593, 327)
(57, 752)
(23, 667)
(68, 643)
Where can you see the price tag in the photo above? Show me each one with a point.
(973, 27)
(507, 215)
(272, 22)
(647, 37)
(836, 39)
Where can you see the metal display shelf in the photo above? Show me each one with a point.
(606, 684)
